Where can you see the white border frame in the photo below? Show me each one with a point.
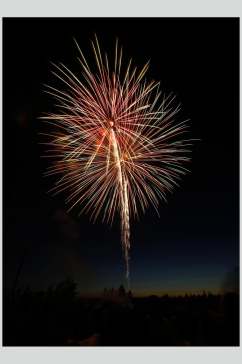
(112, 8)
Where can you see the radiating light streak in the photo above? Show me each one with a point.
(115, 144)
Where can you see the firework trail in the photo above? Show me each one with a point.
(114, 144)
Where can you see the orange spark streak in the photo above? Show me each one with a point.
(125, 227)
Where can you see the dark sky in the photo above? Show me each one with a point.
(195, 242)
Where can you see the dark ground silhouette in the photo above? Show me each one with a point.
(59, 317)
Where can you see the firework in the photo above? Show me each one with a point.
(114, 144)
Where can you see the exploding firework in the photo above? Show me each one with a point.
(114, 146)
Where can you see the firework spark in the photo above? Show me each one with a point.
(114, 146)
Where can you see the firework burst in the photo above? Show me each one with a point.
(114, 146)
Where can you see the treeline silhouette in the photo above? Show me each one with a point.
(60, 317)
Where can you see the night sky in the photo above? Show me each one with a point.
(195, 242)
